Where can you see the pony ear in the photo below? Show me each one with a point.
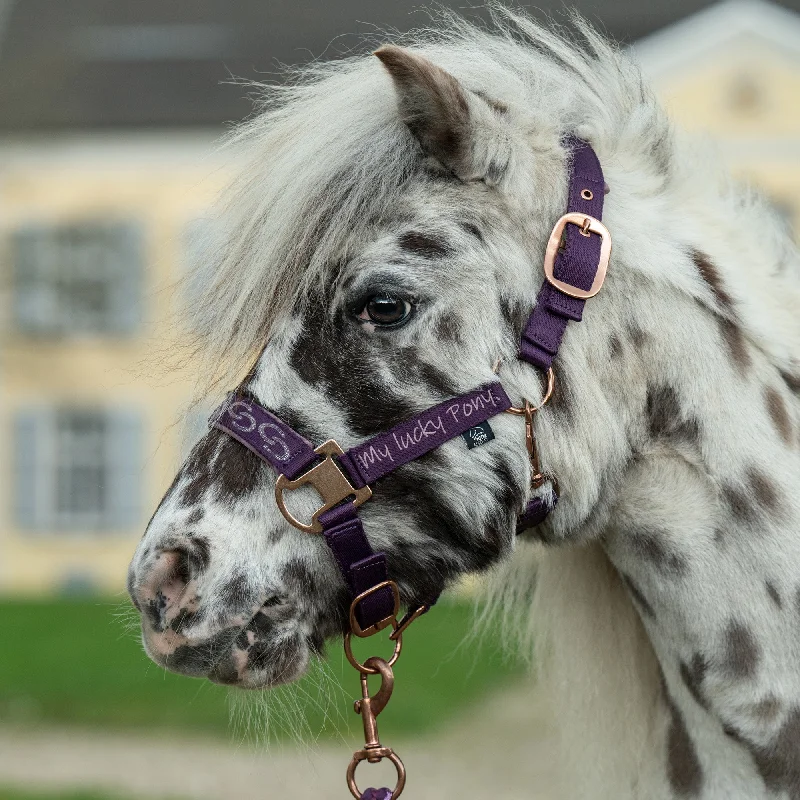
(453, 125)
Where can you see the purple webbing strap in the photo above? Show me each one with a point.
(360, 565)
(424, 432)
(266, 435)
(377, 794)
(576, 264)
(535, 512)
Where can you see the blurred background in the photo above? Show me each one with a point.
(110, 111)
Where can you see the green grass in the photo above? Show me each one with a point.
(72, 662)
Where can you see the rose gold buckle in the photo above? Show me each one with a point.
(384, 623)
(588, 226)
(329, 481)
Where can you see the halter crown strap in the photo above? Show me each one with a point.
(575, 264)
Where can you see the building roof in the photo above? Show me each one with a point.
(91, 64)
(685, 45)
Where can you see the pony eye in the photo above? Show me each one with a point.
(386, 310)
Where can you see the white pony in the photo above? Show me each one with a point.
(384, 248)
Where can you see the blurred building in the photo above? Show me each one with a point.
(732, 72)
(108, 118)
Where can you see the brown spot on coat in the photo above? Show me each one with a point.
(735, 340)
(448, 329)
(684, 771)
(562, 400)
(741, 653)
(222, 465)
(767, 709)
(764, 489)
(739, 503)
(195, 516)
(693, 675)
(424, 245)
(665, 416)
(778, 413)
(637, 336)
(614, 346)
(710, 274)
(774, 594)
(792, 380)
(779, 761)
(472, 229)
(515, 316)
(651, 546)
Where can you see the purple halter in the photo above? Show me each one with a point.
(575, 264)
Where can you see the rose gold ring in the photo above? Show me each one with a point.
(364, 670)
(551, 384)
(384, 752)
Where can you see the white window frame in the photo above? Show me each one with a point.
(55, 265)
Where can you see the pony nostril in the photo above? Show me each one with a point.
(163, 585)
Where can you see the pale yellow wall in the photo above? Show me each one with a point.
(162, 198)
(745, 96)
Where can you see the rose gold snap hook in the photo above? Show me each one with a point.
(410, 617)
(523, 410)
(369, 707)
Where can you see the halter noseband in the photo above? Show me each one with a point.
(575, 265)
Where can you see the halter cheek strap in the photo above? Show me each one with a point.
(575, 264)
(576, 259)
(574, 270)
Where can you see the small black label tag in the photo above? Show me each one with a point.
(478, 435)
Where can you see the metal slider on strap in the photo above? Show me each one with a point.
(330, 482)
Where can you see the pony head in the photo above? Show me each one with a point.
(383, 251)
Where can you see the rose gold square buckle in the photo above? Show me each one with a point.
(588, 226)
(384, 623)
(329, 481)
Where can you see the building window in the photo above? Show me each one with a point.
(77, 469)
(81, 467)
(77, 279)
